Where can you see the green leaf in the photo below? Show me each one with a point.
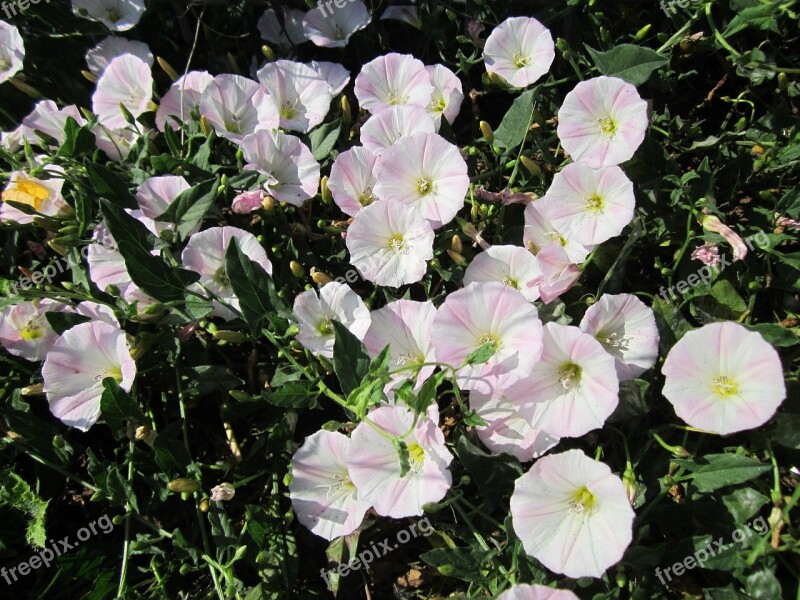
(254, 288)
(62, 321)
(323, 139)
(110, 186)
(724, 293)
(402, 452)
(350, 359)
(778, 336)
(151, 273)
(482, 354)
(761, 17)
(369, 393)
(77, 140)
(632, 63)
(171, 454)
(295, 394)
(715, 471)
(118, 408)
(427, 393)
(744, 504)
(514, 127)
(786, 430)
(15, 492)
(190, 207)
(461, 563)
(494, 474)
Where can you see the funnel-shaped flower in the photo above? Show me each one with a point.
(352, 180)
(126, 80)
(447, 94)
(236, 107)
(182, 98)
(117, 15)
(12, 51)
(25, 330)
(285, 35)
(511, 265)
(393, 79)
(99, 57)
(333, 28)
(385, 127)
(525, 591)
(520, 50)
(301, 94)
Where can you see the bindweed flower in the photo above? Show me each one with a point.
(126, 80)
(12, 51)
(334, 74)
(626, 328)
(488, 313)
(322, 493)
(99, 57)
(573, 389)
(25, 330)
(289, 34)
(572, 514)
(602, 122)
(314, 313)
(525, 591)
(155, 195)
(117, 15)
(724, 378)
(404, 326)
(712, 223)
(508, 431)
(393, 79)
(425, 172)
(223, 492)
(74, 370)
(236, 107)
(292, 173)
(387, 126)
(41, 196)
(448, 95)
(511, 265)
(559, 273)
(248, 202)
(205, 254)
(375, 466)
(590, 205)
(708, 254)
(47, 118)
(390, 244)
(540, 231)
(333, 29)
(182, 98)
(520, 50)
(352, 180)
(300, 93)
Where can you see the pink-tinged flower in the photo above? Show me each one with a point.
(540, 231)
(323, 496)
(41, 195)
(314, 313)
(300, 93)
(590, 205)
(117, 15)
(12, 51)
(784, 221)
(248, 202)
(386, 126)
(25, 330)
(156, 194)
(333, 28)
(406, 14)
(292, 173)
(99, 57)
(525, 591)
(127, 80)
(572, 514)
(508, 432)
(375, 467)
(74, 370)
(236, 107)
(488, 313)
(724, 378)
(336, 76)
(352, 180)
(602, 122)
(426, 172)
(573, 389)
(520, 50)
(205, 254)
(512, 265)
(393, 79)
(560, 274)
(404, 326)
(182, 98)
(447, 94)
(708, 254)
(626, 327)
(390, 244)
(12, 140)
(97, 312)
(712, 223)
(50, 120)
(505, 196)
(118, 143)
(285, 35)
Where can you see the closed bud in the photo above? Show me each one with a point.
(783, 81)
(457, 258)
(204, 504)
(320, 278)
(268, 53)
(173, 74)
(757, 150)
(325, 191)
(139, 350)
(57, 246)
(293, 330)
(531, 166)
(37, 389)
(640, 35)
(205, 126)
(234, 337)
(146, 435)
(183, 485)
(297, 269)
(486, 130)
(456, 245)
(234, 64)
(90, 77)
(269, 204)
(25, 88)
(347, 114)
(222, 493)
(629, 481)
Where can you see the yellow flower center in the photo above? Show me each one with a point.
(113, 15)
(509, 281)
(325, 327)
(521, 60)
(607, 126)
(595, 203)
(34, 330)
(554, 235)
(397, 244)
(288, 111)
(114, 372)
(425, 186)
(438, 104)
(415, 453)
(724, 386)
(221, 277)
(366, 198)
(490, 338)
(582, 500)
(28, 192)
(232, 125)
(569, 375)
(395, 98)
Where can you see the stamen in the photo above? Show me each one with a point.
(724, 386)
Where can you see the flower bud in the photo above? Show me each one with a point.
(347, 114)
(268, 53)
(531, 166)
(146, 435)
(234, 337)
(269, 204)
(183, 485)
(486, 130)
(297, 269)
(247, 202)
(91, 77)
(173, 74)
(457, 258)
(222, 493)
(319, 277)
(456, 245)
(37, 389)
(205, 126)
(325, 191)
(783, 81)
